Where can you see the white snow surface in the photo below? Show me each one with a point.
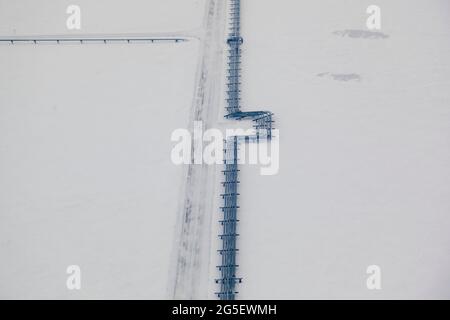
(364, 164)
(86, 177)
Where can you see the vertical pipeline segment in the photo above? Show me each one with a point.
(263, 123)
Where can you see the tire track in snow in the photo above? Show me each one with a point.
(190, 269)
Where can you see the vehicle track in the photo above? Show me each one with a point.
(190, 271)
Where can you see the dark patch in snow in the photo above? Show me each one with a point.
(341, 76)
(364, 34)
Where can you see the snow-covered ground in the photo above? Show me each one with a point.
(364, 164)
(40, 17)
(86, 177)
